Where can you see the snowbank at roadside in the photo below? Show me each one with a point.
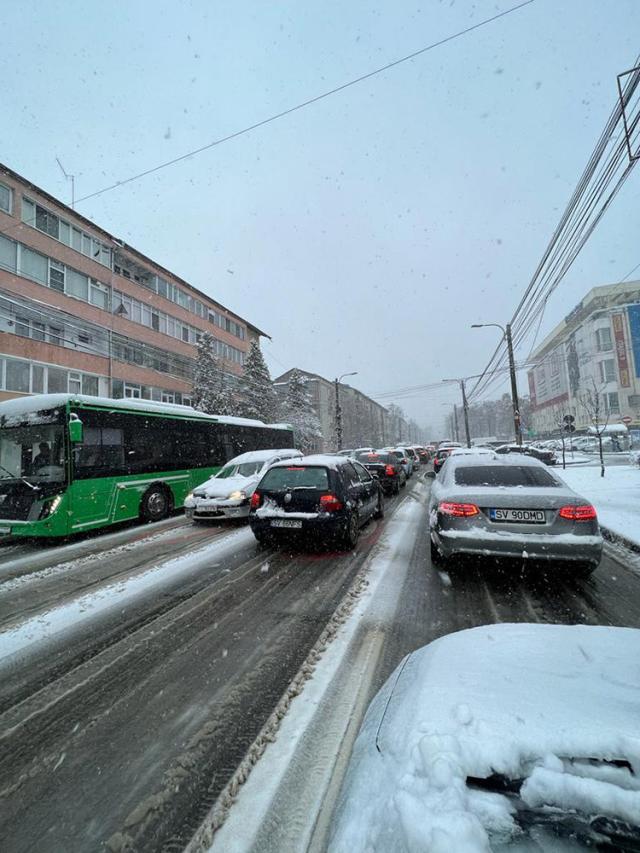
(616, 496)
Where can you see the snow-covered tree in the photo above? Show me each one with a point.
(297, 410)
(211, 392)
(257, 395)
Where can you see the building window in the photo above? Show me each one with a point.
(607, 370)
(33, 265)
(75, 383)
(132, 391)
(612, 403)
(168, 397)
(55, 335)
(17, 378)
(47, 222)
(57, 380)
(37, 331)
(8, 254)
(5, 198)
(98, 294)
(603, 340)
(37, 378)
(56, 276)
(90, 385)
(23, 327)
(77, 285)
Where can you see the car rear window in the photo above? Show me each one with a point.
(374, 458)
(503, 475)
(295, 477)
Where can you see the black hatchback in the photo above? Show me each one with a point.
(326, 498)
(387, 468)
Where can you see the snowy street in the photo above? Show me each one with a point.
(138, 667)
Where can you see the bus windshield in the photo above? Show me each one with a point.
(33, 453)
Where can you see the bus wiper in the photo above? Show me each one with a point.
(13, 477)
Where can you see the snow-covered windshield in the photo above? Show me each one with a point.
(245, 469)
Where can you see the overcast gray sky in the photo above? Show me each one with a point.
(368, 231)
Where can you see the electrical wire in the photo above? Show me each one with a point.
(306, 103)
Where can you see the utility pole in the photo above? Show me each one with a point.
(338, 417)
(514, 387)
(455, 422)
(512, 372)
(465, 407)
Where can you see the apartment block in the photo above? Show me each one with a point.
(595, 350)
(84, 312)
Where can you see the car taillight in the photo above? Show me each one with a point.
(585, 512)
(459, 510)
(389, 470)
(330, 503)
(256, 499)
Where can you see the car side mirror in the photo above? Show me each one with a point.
(75, 429)
(431, 475)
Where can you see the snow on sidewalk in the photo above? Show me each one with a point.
(616, 496)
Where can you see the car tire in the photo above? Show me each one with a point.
(438, 561)
(262, 538)
(583, 570)
(352, 532)
(379, 513)
(155, 504)
(396, 489)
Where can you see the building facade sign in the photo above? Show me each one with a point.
(617, 321)
(633, 313)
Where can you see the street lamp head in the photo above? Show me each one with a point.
(477, 325)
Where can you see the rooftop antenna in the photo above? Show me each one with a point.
(71, 178)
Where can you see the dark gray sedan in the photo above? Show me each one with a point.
(513, 507)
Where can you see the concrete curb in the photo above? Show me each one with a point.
(617, 539)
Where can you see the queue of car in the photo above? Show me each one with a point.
(283, 493)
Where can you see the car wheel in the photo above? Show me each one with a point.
(262, 537)
(352, 532)
(155, 504)
(396, 488)
(379, 513)
(438, 560)
(583, 570)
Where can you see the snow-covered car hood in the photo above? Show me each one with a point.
(221, 488)
(552, 705)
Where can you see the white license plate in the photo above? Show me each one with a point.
(286, 522)
(4, 531)
(519, 516)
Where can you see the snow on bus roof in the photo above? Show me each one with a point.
(12, 409)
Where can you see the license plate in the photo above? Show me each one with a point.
(4, 531)
(286, 522)
(518, 516)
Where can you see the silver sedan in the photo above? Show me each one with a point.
(513, 507)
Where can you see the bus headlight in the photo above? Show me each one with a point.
(49, 507)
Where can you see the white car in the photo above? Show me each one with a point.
(227, 493)
(503, 737)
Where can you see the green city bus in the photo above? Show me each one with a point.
(72, 463)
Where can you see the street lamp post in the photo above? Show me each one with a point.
(339, 409)
(506, 333)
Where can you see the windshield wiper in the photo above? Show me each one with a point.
(13, 477)
(604, 832)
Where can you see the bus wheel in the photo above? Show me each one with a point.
(155, 504)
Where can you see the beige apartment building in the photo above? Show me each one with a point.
(83, 312)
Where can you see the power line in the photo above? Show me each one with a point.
(306, 103)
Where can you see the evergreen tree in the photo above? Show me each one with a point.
(297, 410)
(258, 398)
(210, 387)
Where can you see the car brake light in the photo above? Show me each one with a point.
(330, 503)
(256, 499)
(459, 510)
(585, 512)
(293, 468)
(389, 470)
